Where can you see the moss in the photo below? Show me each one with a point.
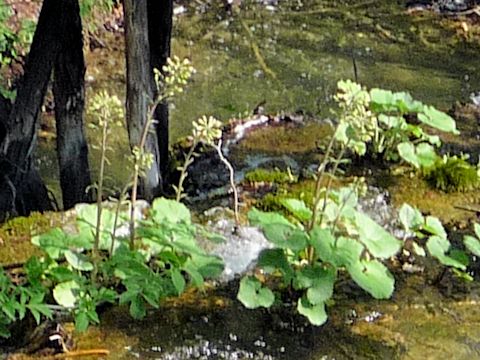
(270, 176)
(287, 139)
(453, 174)
(15, 235)
(417, 192)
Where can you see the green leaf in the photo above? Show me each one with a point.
(253, 295)
(321, 288)
(261, 218)
(54, 242)
(87, 224)
(472, 244)
(81, 321)
(275, 259)
(316, 314)
(322, 241)
(208, 266)
(426, 154)
(37, 309)
(438, 119)
(8, 309)
(434, 226)
(178, 280)
(195, 277)
(165, 210)
(78, 261)
(373, 277)
(65, 294)
(421, 156)
(137, 308)
(285, 236)
(62, 274)
(410, 217)
(476, 228)
(437, 247)
(347, 251)
(379, 242)
(297, 208)
(406, 150)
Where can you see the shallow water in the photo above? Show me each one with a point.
(290, 56)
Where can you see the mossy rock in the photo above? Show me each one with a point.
(15, 236)
(270, 176)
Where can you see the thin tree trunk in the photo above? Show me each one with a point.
(160, 15)
(21, 188)
(140, 89)
(69, 94)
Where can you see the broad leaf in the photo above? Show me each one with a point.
(257, 217)
(275, 259)
(379, 242)
(346, 251)
(316, 314)
(438, 119)
(298, 209)
(285, 236)
(170, 211)
(253, 295)
(472, 244)
(373, 277)
(78, 261)
(435, 227)
(410, 217)
(65, 294)
(322, 241)
(437, 247)
(321, 288)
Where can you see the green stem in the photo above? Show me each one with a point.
(183, 171)
(136, 172)
(95, 252)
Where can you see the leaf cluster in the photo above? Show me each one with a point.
(389, 124)
(166, 262)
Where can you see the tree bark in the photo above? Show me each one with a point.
(69, 94)
(140, 90)
(21, 188)
(160, 16)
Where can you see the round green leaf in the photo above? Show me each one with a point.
(253, 295)
(373, 277)
(65, 294)
(316, 314)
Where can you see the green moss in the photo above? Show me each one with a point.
(287, 139)
(453, 174)
(270, 176)
(15, 235)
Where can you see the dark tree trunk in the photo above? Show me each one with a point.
(160, 15)
(21, 188)
(69, 94)
(140, 89)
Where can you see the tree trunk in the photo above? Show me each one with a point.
(160, 15)
(21, 188)
(69, 94)
(140, 89)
